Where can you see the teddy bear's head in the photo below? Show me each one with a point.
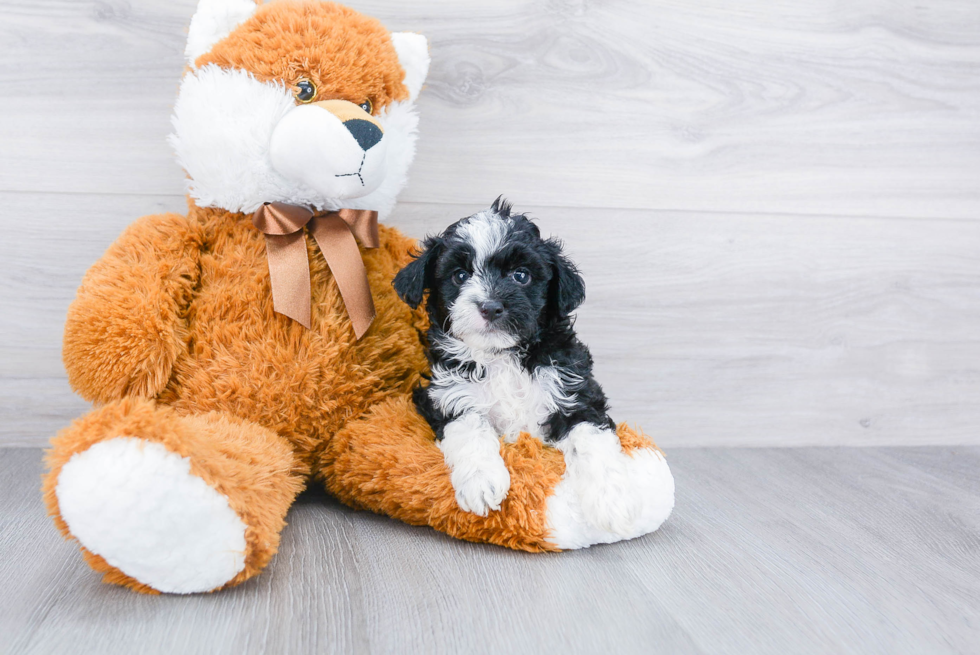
(296, 101)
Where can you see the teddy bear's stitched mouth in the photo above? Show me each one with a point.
(358, 173)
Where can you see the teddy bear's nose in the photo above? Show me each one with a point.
(366, 133)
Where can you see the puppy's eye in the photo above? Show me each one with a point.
(460, 276)
(305, 91)
(522, 276)
(366, 106)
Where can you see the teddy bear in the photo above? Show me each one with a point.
(254, 346)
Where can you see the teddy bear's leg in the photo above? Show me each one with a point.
(607, 493)
(388, 462)
(163, 502)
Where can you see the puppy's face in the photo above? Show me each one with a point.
(493, 282)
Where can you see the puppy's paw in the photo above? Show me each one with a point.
(472, 452)
(481, 488)
(597, 466)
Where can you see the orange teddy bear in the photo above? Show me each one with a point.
(234, 360)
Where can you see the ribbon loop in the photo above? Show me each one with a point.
(278, 218)
(335, 233)
(363, 225)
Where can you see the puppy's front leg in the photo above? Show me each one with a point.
(471, 448)
(596, 464)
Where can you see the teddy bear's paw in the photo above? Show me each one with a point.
(138, 506)
(607, 495)
(478, 473)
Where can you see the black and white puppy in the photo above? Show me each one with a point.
(505, 359)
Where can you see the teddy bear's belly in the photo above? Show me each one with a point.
(245, 359)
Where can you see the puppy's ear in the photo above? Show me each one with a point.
(413, 280)
(567, 288)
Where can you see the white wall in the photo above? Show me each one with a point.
(776, 204)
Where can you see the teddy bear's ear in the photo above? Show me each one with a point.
(213, 21)
(413, 55)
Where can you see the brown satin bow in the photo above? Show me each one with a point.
(289, 266)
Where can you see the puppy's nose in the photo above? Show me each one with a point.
(491, 310)
(364, 132)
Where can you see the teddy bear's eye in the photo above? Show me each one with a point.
(366, 106)
(305, 91)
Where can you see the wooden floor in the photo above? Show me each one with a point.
(810, 550)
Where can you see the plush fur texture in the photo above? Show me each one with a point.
(236, 106)
(345, 54)
(413, 53)
(224, 122)
(386, 462)
(173, 336)
(138, 504)
(252, 467)
(649, 480)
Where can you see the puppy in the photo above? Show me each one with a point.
(505, 359)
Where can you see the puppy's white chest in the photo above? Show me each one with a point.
(517, 400)
(512, 399)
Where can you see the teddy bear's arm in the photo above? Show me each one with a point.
(127, 324)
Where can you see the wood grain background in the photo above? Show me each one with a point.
(776, 204)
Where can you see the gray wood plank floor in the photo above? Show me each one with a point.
(810, 550)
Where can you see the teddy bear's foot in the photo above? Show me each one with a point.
(139, 507)
(171, 503)
(387, 461)
(607, 495)
(597, 469)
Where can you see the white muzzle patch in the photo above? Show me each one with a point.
(244, 142)
(337, 158)
(486, 233)
(469, 326)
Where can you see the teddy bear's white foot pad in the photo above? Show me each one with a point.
(138, 505)
(641, 482)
